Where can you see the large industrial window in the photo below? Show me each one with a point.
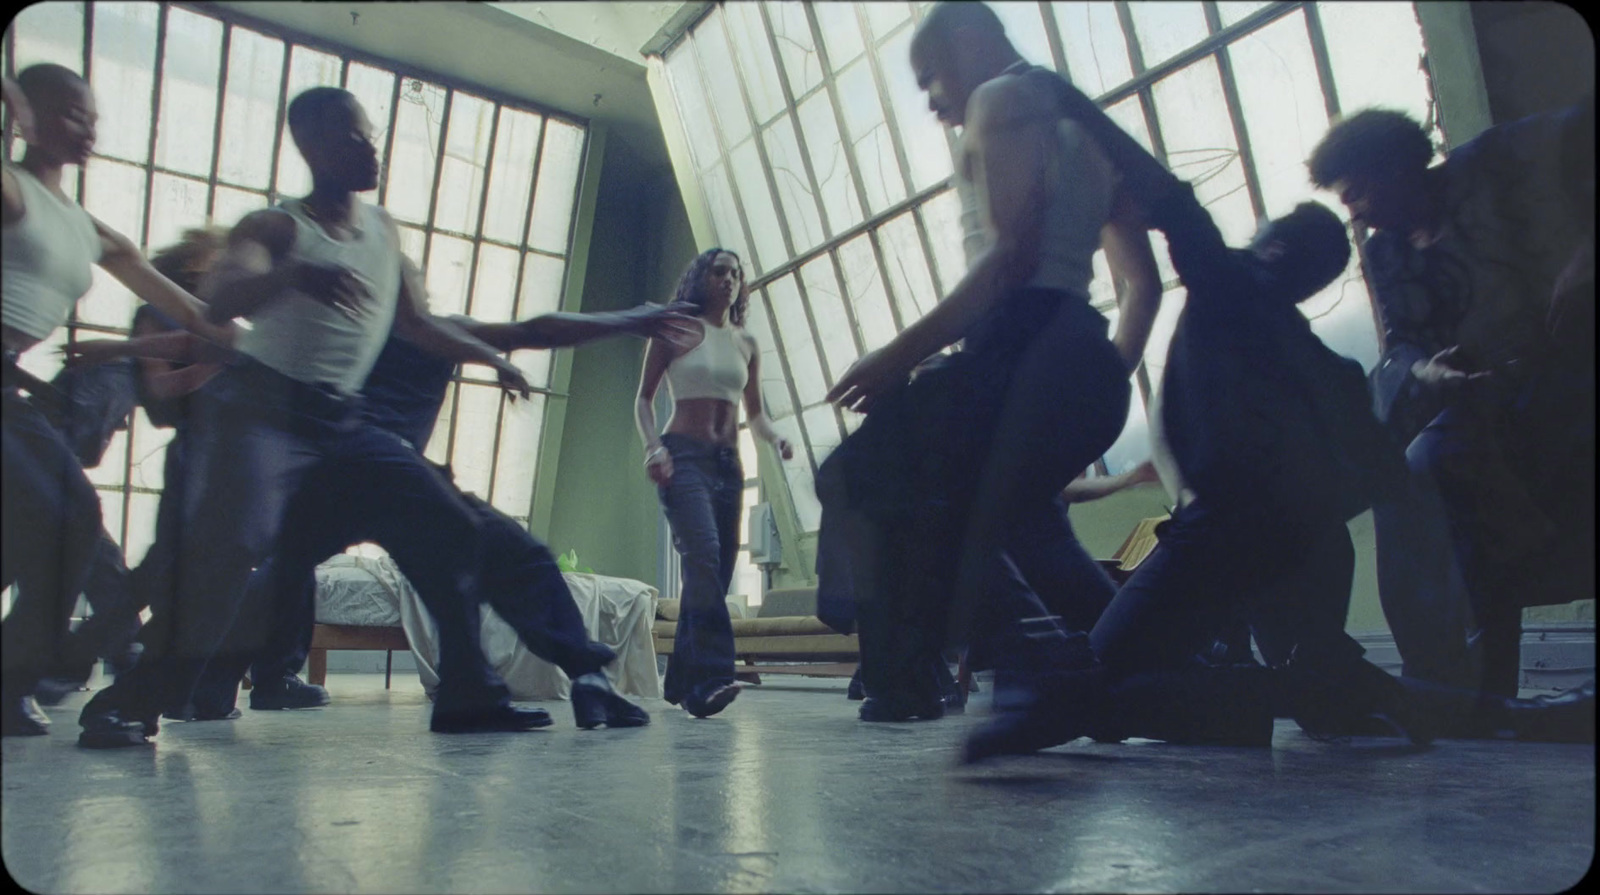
(192, 129)
(820, 163)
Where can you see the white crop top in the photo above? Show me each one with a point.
(44, 259)
(311, 342)
(718, 367)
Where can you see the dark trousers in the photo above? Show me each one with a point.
(257, 436)
(518, 579)
(51, 535)
(703, 502)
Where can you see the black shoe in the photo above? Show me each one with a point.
(898, 708)
(22, 717)
(1054, 710)
(1567, 717)
(1341, 698)
(287, 693)
(594, 703)
(857, 690)
(499, 719)
(719, 698)
(108, 729)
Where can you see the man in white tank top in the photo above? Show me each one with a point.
(323, 282)
(1036, 395)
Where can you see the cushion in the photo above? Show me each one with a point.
(667, 609)
(788, 602)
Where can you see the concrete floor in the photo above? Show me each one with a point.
(785, 792)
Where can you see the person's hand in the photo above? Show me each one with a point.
(334, 285)
(785, 449)
(673, 324)
(92, 352)
(511, 380)
(1144, 472)
(875, 373)
(658, 465)
(1442, 372)
(21, 111)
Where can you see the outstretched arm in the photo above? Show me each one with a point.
(1083, 489)
(657, 460)
(444, 338)
(178, 347)
(563, 329)
(123, 260)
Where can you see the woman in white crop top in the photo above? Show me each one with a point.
(695, 466)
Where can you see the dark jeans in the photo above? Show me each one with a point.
(703, 502)
(51, 536)
(257, 437)
(519, 579)
(949, 473)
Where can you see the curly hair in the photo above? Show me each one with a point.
(1373, 142)
(692, 286)
(185, 263)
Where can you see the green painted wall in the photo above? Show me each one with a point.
(603, 505)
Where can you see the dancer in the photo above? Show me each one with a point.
(945, 471)
(52, 515)
(695, 466)
(322, 281)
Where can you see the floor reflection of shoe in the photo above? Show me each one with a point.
(22, 717)
(190, 713)
(1018, 733)
(288, 693)
(714, 701)
(904, 708)
(857, 691)
(594, 703)
(110, 730)
(52, 690)
(1567, 717)
(499, 719)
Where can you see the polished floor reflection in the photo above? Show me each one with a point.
(787, 792)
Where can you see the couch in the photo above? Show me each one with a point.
(785, 627)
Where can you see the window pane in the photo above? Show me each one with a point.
(123, 77)
(250, 108)
(774, 387)
(724, 211)
(439, 442)
(412, 242)
(541, 285)
(187, 127)
(867, 296)
(795, 47)
(1281, 97)
(798, 346)
(921, 135)
(416, 143)
(883, 18)
(112, 472)
(828, 160)
(841, 32)
(520, 427)
(141, 526)
(1091, 38)
(477, 409)
(1375, 50)
(111, 512)
(827, 309)
(553, 198)
(759, 213)
(794, 189)
(1341, 315)
(44, 359)
(494, 289)
(822, 431)
(1129, 115)
(869, 136)
(1200, 146)
(1166, 29)
(797, 474)
(511, 175)
(448, 270)
(307, 68)
(758, 70)
(684, 72)
(114, 193)
(1025, 27)
(176, 204)
(466, 156)
(1234, 11)
(49, 32)
(149, 453)
(909, 279)
(1155, 350)
(229, 205)
(374, 88)
(748, 459)
(941, 215)
(717, 65)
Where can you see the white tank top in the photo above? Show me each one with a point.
(311, 342)
(1081, 181)
(44, 259)
(718, 367)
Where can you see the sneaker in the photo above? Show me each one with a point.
(288, 693)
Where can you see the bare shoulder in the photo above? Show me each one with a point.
(269, 227)
(1008, 102)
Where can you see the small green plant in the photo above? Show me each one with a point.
(568, 562)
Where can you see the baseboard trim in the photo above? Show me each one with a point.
(1554, 656)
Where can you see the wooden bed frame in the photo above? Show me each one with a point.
(353, 637)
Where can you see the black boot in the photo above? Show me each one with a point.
(1345, 697)
(594, 703)
(289, 692)
(1056, 693)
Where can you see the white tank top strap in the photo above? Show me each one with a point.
(716, 368)
(305, 339)
(45, 259)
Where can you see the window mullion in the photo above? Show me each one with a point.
(438, 173)
(788, 376)
(1230, 95)
(527, 218)
(472, 288)
(388, 137)
(724, 153)
(277, 131)
(216, 128)
(760, 147)
(1052, 33)
(792, 106)
(155, 127)
(890, 123)
(829, 83)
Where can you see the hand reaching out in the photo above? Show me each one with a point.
(875, 373)
(92, 352)
(1443, 372)
(334, 285)
(673, 324)
(21, 112)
